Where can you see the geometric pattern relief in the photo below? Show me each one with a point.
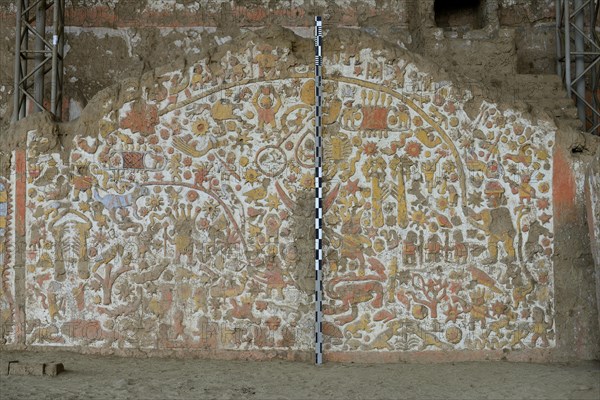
(11, 325)
(188, 221)
(6, 260)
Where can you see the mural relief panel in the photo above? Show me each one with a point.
(439, 229)
(188, 221)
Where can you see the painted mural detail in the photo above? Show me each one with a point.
(188, 221)
(11, 319)
(6, 272)
(441, 234)
(185, 223)
(4, 220)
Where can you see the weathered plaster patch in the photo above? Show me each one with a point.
(128, 35)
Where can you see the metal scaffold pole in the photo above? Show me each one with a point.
(578, 56)
(33, 61)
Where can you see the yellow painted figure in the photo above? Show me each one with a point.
(540, 327)
(375, 171)
(267, 103)
(496, 222)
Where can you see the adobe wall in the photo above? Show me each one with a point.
(107, 41)
(175, 215)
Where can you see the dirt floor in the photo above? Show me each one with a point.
(98, 377)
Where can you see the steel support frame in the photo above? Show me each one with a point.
(32, 65)
(578, 56)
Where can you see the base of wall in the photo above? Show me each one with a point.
(418, 357)
(288, 355)
(358, 357)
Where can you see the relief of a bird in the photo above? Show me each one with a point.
(49, 174)
(442, 220)
(258, 193)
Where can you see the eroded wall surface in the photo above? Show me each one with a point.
(109, 40)
(592, 200)
(592, 188)
(186, 219)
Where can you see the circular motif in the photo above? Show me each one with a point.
(453, 335)
(271, 161)
(420, 312)
(191, 196)
(544, 187)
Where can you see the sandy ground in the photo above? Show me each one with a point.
(97, 377)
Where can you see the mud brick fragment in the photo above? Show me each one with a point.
(53, 369)
(5, 366)
(28, 368)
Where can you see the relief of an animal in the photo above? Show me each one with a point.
(353, 290)
(112, 202)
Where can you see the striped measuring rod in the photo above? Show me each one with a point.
(319, 193)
